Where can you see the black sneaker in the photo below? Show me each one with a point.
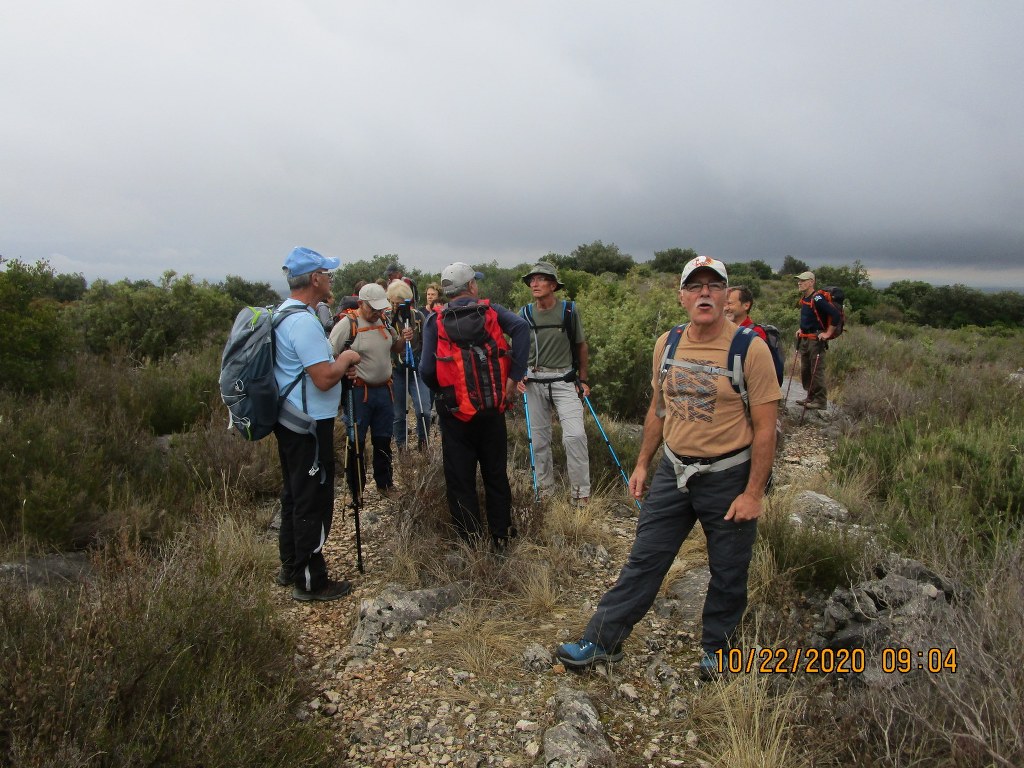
(285, 577)
(332, 590)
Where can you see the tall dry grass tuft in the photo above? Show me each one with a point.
(748, 720)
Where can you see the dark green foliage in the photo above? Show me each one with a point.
(246, 293)
(597, 258)
(623, 319)
(672, 260)
(792, 266)
(149, 322)
(181, 660)
(32, 341)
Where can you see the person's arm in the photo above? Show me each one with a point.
(833, 315)
(326, 374)
(583, 356)
(428, 356)
(748, 505)
(653, 428)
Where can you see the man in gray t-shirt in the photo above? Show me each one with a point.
(556, 378)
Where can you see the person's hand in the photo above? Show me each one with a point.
(351, 356)
(638, 482)
(521, 387)
(744, 507)
(407, 334)
(583, 388)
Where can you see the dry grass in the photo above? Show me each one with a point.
(746, 720)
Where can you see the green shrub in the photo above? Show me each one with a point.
(32, 342)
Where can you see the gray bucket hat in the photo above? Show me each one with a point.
(543, 268)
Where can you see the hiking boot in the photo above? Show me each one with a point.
(816, 406)
(285, 577)
(581, 501)
(800, 402)
(332, 590)
(585, 654)
(709, 670)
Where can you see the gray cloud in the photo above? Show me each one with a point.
(207, 139)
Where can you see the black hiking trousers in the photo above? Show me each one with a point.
(666, 519)
(464, 444)
(307, 503)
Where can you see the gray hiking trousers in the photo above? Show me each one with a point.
(666, 519)
(542, 397)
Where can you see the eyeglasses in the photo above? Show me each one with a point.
(715, 287)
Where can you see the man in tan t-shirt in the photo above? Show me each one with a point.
(716, 460)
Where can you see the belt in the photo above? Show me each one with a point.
(803, 335)
(362, 383)
(367, 387)
(687, 466)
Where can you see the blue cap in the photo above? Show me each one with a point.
(302, 261)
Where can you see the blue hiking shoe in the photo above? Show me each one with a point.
(585, 654)
(709, 670)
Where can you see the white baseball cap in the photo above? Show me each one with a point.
(375, 296)
(703, 262)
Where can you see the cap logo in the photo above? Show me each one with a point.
(702, 261)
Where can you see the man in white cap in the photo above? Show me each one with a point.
(716, 460)
(307, 499)
(467, 362)
(556, 379)
(371, 401)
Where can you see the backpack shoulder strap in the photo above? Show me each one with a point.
(670, 349)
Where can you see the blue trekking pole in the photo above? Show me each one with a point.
(609, 444)
(529, 441)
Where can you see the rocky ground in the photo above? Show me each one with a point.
(408, 701)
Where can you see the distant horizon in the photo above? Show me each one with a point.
(936, 277)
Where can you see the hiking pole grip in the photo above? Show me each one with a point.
(607, 442)
(529, 442)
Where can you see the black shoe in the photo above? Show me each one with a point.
(332, 590)
(285, 577)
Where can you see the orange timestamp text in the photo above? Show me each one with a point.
(832, 660)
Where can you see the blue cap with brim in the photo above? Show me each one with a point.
(302, 261)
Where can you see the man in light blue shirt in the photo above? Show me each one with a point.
(305, 431)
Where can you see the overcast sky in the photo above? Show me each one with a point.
(210, 137)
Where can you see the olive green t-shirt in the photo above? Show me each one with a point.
(548, 346)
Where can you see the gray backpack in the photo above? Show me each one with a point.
(248, 386)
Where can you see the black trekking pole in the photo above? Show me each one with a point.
(356, 477)
(607, 442)
(529, 442)
(814, 370)
(792, 368)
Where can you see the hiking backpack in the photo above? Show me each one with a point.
(248, 385)
(568, 326)
(774, 341)
(473, 360)
(835, 296)
(735, 359)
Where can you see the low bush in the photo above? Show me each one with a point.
(177, 659)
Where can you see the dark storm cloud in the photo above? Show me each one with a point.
(195, 137)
